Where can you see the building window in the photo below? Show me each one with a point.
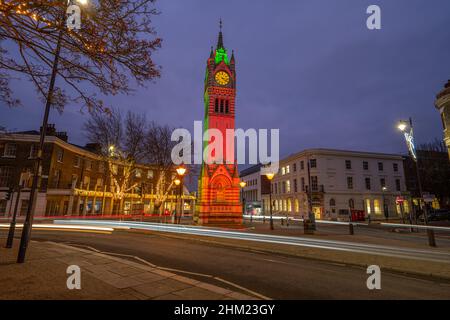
(376, 206)
(348, 164)
(302, 165)
(283, 187)
(288, 170)
(101, 167)
(33, 151)
(74, 181)
(276, 188)
(383, 182)
(288, 186)
(367, 181)
(313, 163)
(227, 106)
(395, 165)
(351, 203)
(150, 174)
(297, 205)
(115, 169)
(221, 106)
(398, 185)
(303, 184)
(365, 165)
(5, 176)
(349, 182)
(332, 202)
(294, 167)
(283, 171)
(289, 205)
(88, 164)
(368, 208)
(295, 185)
(86, 182)
(60, 155)
(314, 183)
(380, 166)
(216, 106)
(10, 150)
(76, 162)
(138, 173)
(406, 206)
(56, 179)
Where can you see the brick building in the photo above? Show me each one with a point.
(75, 181)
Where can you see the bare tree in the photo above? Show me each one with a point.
(115, 44)
(158, 149)
(121, 146)
(437, 145)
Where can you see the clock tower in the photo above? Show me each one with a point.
(218, 188)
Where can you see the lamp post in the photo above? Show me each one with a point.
(270, 177)
(243, 184)
(181, 171)
(385, 209)
(27, 225)
(407, 128)
(177, 183)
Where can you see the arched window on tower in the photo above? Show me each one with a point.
(221, 106)
(216, 107)
(227, 106)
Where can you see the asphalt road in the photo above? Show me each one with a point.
(271, 275)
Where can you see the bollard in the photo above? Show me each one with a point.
(431, 238)
(351, 231)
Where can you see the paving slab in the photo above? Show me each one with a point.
(44, 276)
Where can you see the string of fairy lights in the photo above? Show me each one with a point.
(25, 9)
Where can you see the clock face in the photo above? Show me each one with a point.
(222, 78)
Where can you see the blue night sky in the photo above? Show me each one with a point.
(308, 67)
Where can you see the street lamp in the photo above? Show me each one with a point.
(403, 126)
(243, 184)
(385, 209)
(27, 225)
(270, 176)
(181, 171)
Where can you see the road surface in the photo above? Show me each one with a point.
(268, 274)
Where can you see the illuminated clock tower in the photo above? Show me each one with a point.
(218, 188)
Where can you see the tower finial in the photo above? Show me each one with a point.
(220, 40)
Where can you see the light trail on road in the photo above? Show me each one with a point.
(61, 227)
(417, 254)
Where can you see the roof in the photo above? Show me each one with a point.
(250, 170)
(339, 152)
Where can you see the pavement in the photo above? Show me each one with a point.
(265, 270)
(44, 276)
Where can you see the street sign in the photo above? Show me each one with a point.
(399, 200)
